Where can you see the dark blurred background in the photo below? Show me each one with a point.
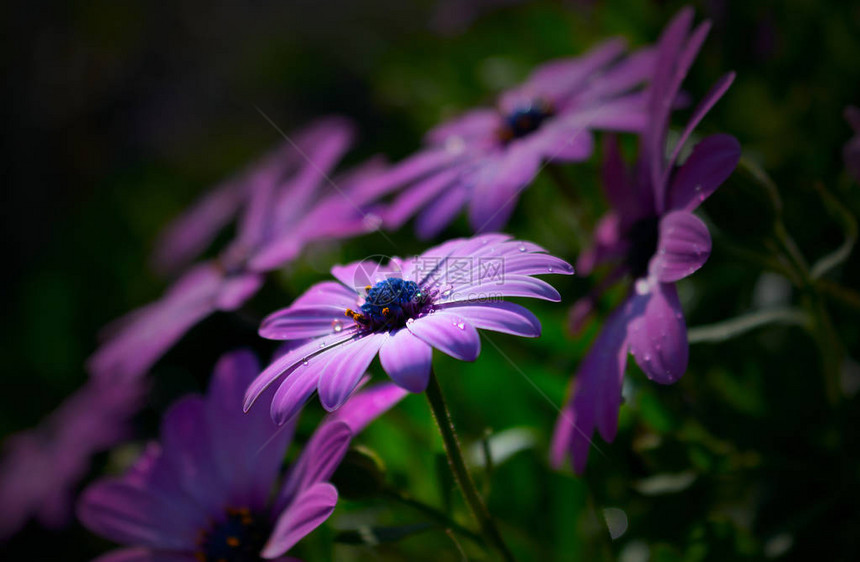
(117, 115)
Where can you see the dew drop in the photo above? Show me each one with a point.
(461, 325)
(337, 325)
(549, 268)
(446, 292)
(322, 345)
(522, 247)
(410, 321)
(305, 362)
(642, 286)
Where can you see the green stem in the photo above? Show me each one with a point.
(434, 515)
(459, 470)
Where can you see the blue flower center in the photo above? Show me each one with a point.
(525, 120)
(643, 237)
(238, 538)
(389, 304)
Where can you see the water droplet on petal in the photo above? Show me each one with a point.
(305, 362)
(410, 321)
(642, 286)
(337, 325)
(322, 345)
(461, 325)
(549, 268)
(522, 247)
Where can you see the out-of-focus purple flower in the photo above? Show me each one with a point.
(188, 235)
(278, 219)
(402, 310)
(41, 467)
(651, 237)
(204, 491)
(484, 158)
(851, 151)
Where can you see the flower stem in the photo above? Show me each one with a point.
(459, 470)
(434, 514)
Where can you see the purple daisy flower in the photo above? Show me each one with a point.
(41, 467)
(204, 492)
(851, 151)
(402, 310)
(187, 236)
(652, 237)
(484, 159)
(278, 220)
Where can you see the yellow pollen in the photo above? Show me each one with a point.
(233, 541)
(367, 288)
(386, 311)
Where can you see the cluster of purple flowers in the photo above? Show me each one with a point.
(204, 490)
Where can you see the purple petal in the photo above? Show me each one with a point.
(238, 289)
(358, 275)
(609, 244)
(658, 338)
(628, 201)
(556, 79)
(534, 264)
(662, 93)
(407, 360)
(439, 213)
(712, 161)
(249, 448)
(307, 512)
(188, 235)
(299, 322)
(188, 448)
(499, 184)
(289, 362)
(683, 247)
(130, 515)
(418, 196)
(449, 333)
(597, 390)
(476, 123)
(344, 370)
(144, 555)
(505, 317)
(711, 98)
(328, 293)
(368, 404)
(510, 286)
(318, 461)
(409, 170)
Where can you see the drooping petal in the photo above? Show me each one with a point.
(596, 395)
(683, 246)
(318, 460)
(712, 161)
(307, 512)
(658, 338)
(449, 333)
(500, 316)
(407, 360)
(344, 370)
(368, 404)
